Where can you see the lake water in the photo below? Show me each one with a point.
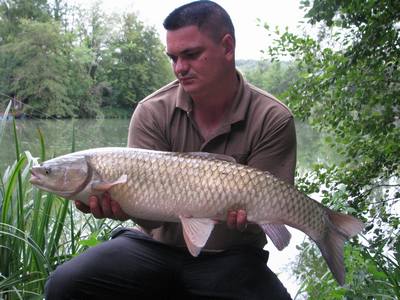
(90, 133)
(59, 136)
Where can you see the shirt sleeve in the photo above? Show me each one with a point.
(275, 151)
(145, 131)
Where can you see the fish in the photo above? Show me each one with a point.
(197, 190)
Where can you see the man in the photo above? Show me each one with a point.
(210, 108)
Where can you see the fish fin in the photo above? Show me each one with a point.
(278, 233)
(216, 156)
(105, 186)
(196, 232)
(340, 228)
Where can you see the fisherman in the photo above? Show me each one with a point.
(209, 108)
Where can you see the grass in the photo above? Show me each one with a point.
(38, 230)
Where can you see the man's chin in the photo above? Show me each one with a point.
(189, 87)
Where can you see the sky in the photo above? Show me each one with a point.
(251, 36)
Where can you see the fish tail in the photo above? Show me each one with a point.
(339, 229)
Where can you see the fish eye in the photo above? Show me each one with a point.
(47, 171)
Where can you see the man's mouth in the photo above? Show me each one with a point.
(184, 80)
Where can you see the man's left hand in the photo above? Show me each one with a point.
(237, 219)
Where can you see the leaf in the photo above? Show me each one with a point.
(91, 241)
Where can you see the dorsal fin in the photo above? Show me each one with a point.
(215, 156)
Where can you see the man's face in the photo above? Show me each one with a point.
(197, 60)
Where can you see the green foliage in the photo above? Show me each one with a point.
(38, 231)
(365, 278)
(69, 62)
(274, 77)
(349, 87)
(82, 88)
(37, 68)
(14, 12)
(136, 64)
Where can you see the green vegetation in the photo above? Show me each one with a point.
(38, 231)
(65, 61)
(275, 77)
(349, 88)
(342, 78)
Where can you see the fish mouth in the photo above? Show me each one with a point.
(35, 177)
(40, 181)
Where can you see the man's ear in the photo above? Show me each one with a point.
(229, 46)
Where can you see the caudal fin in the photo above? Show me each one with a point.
(340, 228)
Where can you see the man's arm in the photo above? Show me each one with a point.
(146, 133)
(275, 151)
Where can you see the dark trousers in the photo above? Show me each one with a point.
(132, 266)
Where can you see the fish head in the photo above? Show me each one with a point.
(65, 175)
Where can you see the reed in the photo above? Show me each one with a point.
(38, 230)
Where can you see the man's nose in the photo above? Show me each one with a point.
(181, 66)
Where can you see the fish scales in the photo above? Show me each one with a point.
(188, 185)
(197, 189)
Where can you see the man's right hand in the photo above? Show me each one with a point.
(103, 207)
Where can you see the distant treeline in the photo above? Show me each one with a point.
(274, 77)
(63, 61)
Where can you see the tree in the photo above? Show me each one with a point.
(72, 62)
(91, 32)
(274, 77)
(36, 65)
(13, 12)
(136, 64)
(349, 87)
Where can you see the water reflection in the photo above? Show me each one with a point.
(58, 135)
(91, 133)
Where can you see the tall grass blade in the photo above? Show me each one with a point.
(58, 228)
(42, 145)
(9, 190)
(73, 138)
(16, 142)
(4, 121)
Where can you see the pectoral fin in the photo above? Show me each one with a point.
(196, 233)
(278, 234)
(103, 186)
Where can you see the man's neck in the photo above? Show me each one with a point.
(209, 109)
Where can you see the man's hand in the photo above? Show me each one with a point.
(237, 219)
(103, 207)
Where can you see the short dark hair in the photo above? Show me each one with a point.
(208, 16)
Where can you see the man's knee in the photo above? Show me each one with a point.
(62, 283)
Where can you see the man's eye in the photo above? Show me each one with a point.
(173, 59)
(193, 55)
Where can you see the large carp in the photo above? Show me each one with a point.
(197, 189)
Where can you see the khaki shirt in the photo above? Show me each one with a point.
(259, 131)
